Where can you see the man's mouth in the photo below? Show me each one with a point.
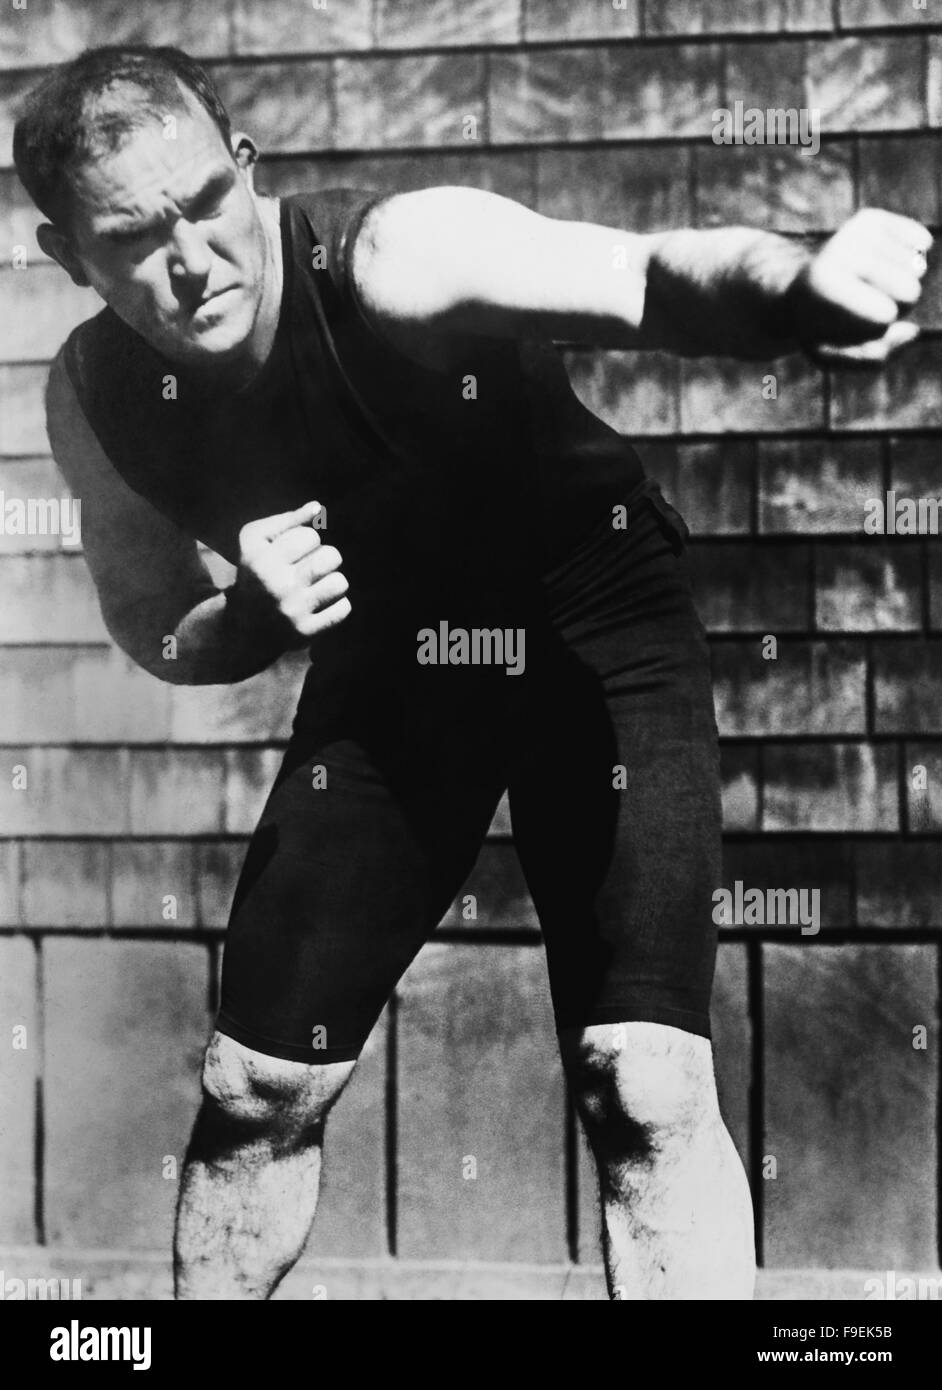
(205, 306)
(207, 298)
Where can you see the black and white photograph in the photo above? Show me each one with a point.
(471, 659)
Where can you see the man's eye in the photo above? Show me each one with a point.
(207, 207)
(132, 244)
(124, 236)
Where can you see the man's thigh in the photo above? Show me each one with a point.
(356, 857)
(615, 801)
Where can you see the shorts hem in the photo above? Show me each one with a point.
(685, 1019)
(287, 1051)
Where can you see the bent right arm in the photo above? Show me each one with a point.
(151, 582)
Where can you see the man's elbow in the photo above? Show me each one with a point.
(151, 647)
(156, 657)
(179, 657)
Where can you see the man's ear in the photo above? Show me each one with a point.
(57, 245)
(245, 154)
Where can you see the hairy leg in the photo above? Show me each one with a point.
(249, 1188)
(676, 1209)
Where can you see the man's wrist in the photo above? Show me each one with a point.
(251, 619)
(779, 278)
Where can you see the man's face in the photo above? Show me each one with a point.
(169, 233)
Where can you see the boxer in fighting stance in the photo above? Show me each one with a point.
(356, 400)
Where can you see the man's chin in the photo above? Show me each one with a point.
(206, 342)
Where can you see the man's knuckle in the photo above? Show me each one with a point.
(328, 617)
(336, 613)
(331, 587)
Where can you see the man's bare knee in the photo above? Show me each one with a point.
(269, 1094)
(641, 1087)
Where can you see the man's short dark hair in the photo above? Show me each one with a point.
(89, 106)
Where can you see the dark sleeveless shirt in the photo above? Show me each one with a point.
(441, 506)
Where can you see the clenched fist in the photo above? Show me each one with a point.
(845, 304)
(285, 568)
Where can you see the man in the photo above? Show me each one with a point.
(356, 400)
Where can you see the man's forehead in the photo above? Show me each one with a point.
(164, 161)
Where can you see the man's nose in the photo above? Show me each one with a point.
(190, 257)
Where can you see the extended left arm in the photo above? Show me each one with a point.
(471, 262)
